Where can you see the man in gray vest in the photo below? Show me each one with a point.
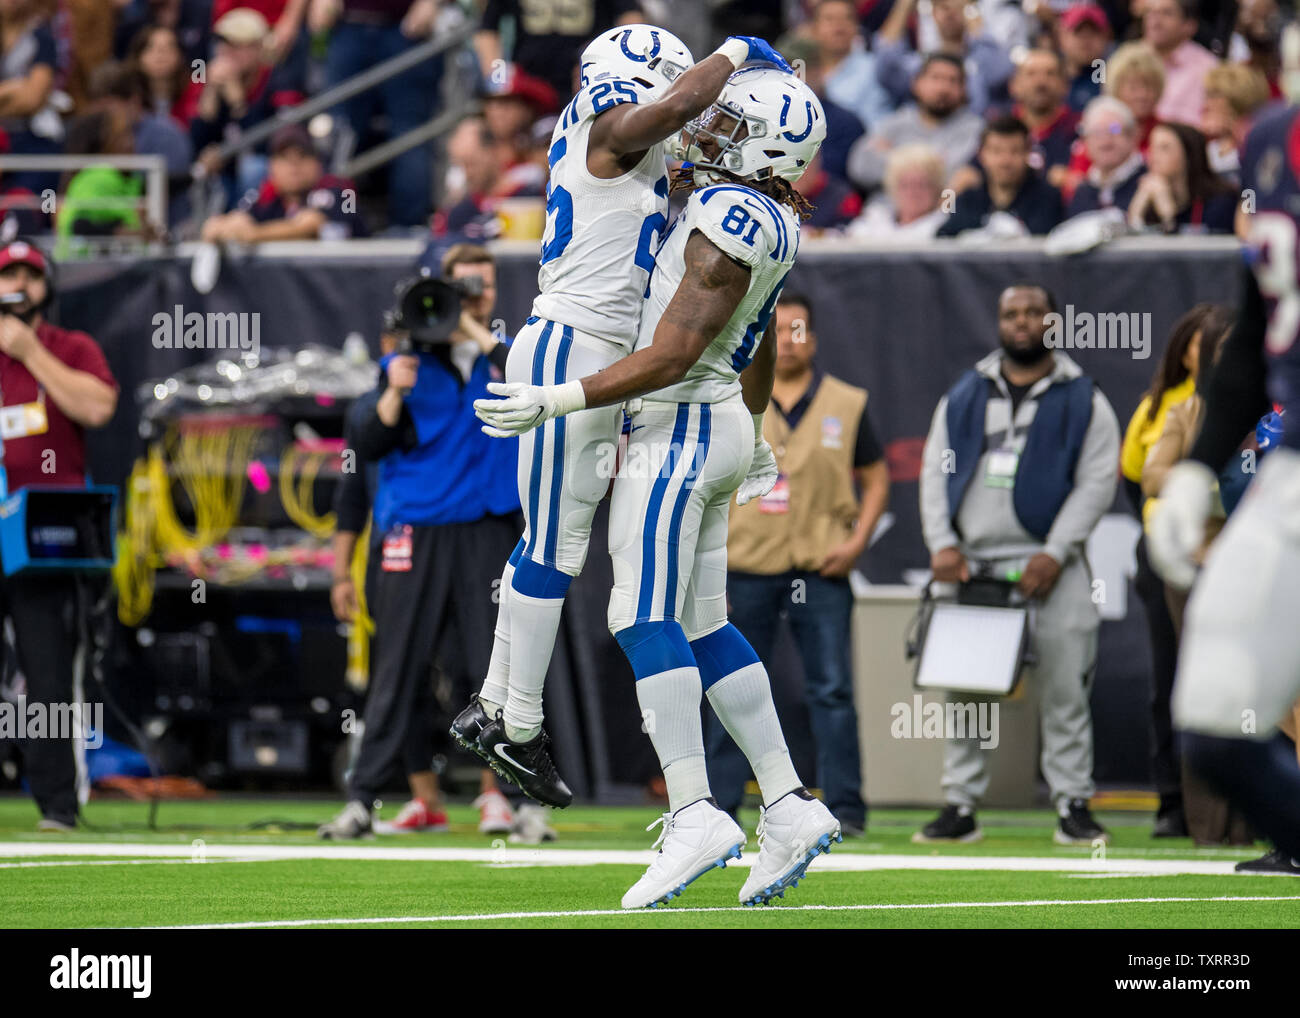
(1019, 466)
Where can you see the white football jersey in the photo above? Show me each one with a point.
(601, 235)
(752, 228)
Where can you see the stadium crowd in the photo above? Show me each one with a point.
(945, 117)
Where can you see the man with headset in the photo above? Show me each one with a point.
(54, 384)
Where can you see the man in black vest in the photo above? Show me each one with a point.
(1019, 466)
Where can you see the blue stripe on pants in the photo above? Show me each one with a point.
(535, 477)
(557, 458)
(679, 508)
(645, 599)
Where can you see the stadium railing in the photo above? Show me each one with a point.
(457, 102)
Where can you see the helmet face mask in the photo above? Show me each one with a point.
(713, 140)
(765, 123)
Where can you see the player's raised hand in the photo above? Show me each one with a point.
(524, 407)
(763, 52)
(762, 474)
(1177, 526)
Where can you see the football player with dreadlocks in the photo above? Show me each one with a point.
(698, 383)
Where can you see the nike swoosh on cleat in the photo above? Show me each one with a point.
(500, 750)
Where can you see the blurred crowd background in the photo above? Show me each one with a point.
(985, 118)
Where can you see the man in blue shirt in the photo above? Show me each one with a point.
(445, 504)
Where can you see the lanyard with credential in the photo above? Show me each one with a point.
(18, 422)
(1002, 463)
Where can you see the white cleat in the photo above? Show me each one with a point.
(693, 841)
(792, 832)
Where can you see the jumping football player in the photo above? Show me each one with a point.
(1239, 663)
(699, 434)
(607, 205)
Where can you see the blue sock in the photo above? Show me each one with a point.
(668, 690)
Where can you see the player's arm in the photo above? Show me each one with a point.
(711, 289)
(631, 128)
(1236, 396)
(621, 134)
(756, 380)
(756, 389)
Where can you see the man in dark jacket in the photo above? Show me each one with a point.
(1009, 184)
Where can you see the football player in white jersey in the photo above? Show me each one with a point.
(607, 203)
(696, 439)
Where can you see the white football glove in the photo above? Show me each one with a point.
(1177, 526)
(526, 406)
(762, 471)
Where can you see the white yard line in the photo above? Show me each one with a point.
(120, 862)
(842, 862)
(656, 912)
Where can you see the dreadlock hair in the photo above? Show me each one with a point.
(777, 188)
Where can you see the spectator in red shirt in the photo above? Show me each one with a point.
(1135, 76)
(63, 385)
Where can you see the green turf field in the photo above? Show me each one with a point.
(253, 862)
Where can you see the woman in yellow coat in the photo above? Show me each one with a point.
(1174, 382)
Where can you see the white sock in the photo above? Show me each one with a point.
(534, 621)
(496, 685)
(743, 703)
(670, 712)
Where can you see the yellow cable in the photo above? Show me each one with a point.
(297, 499)
(358, 667)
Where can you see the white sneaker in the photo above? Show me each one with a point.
(792, 832)
(494, 813)
(531, 827)
(353, 821)
(693, 841)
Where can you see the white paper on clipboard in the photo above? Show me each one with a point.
(972, 648)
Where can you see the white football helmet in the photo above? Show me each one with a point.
(765, 123)
(652, 57)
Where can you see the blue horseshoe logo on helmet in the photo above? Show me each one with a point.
(642, 57)
(785, 112)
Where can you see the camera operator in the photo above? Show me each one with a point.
(446, 514)
(54, 383)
